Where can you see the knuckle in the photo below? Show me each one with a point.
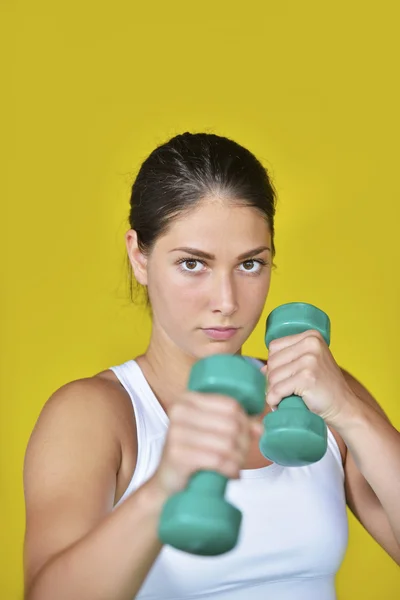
(224, 449)
(230, 468)
(225, 463)
(309, 375)
(234, 410)
(270, 365)
(177, 434)
(176, 411)
(276, 390)
(193, 399)
(216, 460)
(310, 359)
(273, 345)
(271, 379)
(234, 425)
(233, 405)
(313, 342)
(317, 334)
(229, 449)
(174, 453)
(238, 458)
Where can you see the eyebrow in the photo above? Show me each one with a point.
(202, 254)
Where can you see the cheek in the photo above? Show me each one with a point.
(253, 294)
(178, 293)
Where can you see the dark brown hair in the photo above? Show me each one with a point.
(189, 167)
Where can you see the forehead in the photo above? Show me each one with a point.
(217, 222)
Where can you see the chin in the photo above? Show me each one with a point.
(216, 348)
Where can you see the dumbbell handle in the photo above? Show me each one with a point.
(292, 402)
(210, 482)
(198, 519)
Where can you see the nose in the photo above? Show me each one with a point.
(223, 297)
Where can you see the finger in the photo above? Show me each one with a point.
(287, 387)
(220, 450)
(196, 459)
(289, 369)
(256, 429)
(289, 340)
(218, 403)
(284, 356)
(203, 421)
(231, 431)
(224, 446)
(309, 344)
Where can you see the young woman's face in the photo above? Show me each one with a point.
(208, 278)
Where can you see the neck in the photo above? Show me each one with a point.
(166, 368)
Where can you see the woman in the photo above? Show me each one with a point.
(108, 450)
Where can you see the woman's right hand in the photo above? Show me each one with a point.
(206, 432)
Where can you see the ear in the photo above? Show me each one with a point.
(137, 259)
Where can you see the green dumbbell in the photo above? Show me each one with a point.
(293, 435)
(199, 520)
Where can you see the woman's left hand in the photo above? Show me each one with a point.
(303, 365)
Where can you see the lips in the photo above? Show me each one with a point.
(220, 333)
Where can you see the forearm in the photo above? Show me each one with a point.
(111, 561)
(375, 447)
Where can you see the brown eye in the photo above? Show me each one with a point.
(191, 264)
(248, 265)
(253, 266)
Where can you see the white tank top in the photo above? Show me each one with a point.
(294, 530)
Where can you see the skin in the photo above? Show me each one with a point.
(82, 452)
(219, 292)
(302, 364)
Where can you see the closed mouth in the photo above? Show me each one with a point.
(219, 328)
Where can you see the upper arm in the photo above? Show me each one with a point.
(361, 499)
(70, 470)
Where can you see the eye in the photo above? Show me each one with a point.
(253, 266)
(190, 265)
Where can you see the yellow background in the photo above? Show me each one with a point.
(90, 88)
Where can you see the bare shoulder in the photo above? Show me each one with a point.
(82, 417)
(95, 401)
(78, 462)
(118, 399)
(91, 410)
